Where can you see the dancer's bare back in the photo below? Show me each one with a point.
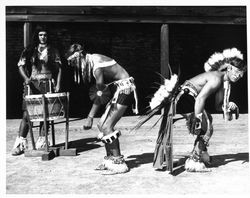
(208, 82)
(110, 73)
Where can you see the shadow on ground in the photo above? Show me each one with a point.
(144, 158)
(217, 160)
(82, 144)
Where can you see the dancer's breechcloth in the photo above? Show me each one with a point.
(125, 91)
(186, 98)
(185, 104)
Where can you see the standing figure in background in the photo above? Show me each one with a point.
(40, 68)
(107, 73)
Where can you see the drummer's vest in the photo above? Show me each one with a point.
(44, 59)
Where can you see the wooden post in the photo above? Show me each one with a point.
(31, 133)
(26, 34)
(45, 123)
(67, 122)
(48, 154)
(53, 133)
(164, 53)
(167, 141)
(67, 151)
(165, 50)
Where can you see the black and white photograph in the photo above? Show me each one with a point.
(125, 99)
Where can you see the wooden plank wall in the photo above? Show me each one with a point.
(131, 14)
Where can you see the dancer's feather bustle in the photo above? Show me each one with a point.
(162, 97)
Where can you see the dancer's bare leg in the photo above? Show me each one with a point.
(114, 161)
(200, 157)
(107, 123)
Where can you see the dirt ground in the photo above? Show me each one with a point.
(229, 174)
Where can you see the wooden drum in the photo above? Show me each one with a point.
(55, 106)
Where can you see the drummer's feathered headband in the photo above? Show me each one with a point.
(220, 61)
(75, 55)
(74, 51)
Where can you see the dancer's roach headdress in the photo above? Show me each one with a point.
(220, 61)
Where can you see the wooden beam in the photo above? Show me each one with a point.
(26, 34)
(230, 20)
(129, 14)
(200, 11)
(165, 50)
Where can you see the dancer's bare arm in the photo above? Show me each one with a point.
(219, 99)
(99, 78)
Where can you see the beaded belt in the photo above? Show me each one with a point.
(42, 76)
(188, 85)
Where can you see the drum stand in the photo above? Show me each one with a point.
(49, 153)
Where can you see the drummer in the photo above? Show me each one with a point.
(106, 71)
(40, 68)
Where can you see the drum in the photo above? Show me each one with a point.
(55, 106)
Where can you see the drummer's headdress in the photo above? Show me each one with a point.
(220, 61)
